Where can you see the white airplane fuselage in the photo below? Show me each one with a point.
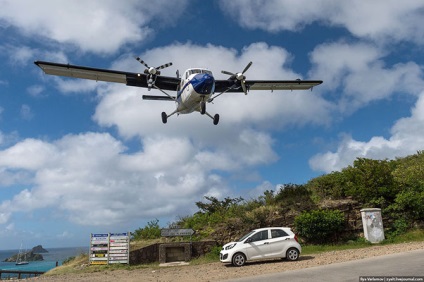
(197, 86)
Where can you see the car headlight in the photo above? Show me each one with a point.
(229, 247)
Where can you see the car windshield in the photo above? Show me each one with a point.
(245, 236)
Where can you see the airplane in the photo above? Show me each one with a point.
(194, 89)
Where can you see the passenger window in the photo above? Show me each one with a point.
(275, 233)
(263, 235)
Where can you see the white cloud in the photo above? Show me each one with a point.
(407, 137)
(93, 181)
(4, 217)
(35, 90)
(95, 26)
(376, 20)
(17, 156)
(358, 72)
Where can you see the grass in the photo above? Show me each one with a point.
(80, 263)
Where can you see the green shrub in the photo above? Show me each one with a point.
(151, 231)
(320, 226)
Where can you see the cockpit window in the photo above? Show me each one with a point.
(195, 71)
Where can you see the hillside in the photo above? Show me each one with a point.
(395, 186)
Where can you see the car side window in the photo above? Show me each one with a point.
(275, 233)
(262, 235)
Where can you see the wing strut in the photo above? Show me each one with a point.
(172, 97)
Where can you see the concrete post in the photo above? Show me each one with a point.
(373, 225)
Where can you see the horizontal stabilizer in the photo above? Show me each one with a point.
(159, 98)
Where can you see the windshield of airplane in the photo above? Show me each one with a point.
(194, 71)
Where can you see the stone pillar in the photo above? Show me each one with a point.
(373, 225)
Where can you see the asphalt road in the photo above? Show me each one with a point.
(395, 265)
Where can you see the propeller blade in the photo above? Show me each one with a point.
(142, 62)
(164, 66)
(152, 70)
(247, 67)
(227, 72)
(243, 85)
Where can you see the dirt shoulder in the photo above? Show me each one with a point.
(221, 272)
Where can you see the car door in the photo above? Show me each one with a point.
(277, 242)
(257, 245)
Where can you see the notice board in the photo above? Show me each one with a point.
(106, 248)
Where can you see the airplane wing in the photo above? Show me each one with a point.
(128, 78)
(223, 85)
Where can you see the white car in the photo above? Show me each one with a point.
(263, 243)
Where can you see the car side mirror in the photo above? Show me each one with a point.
(249, 240)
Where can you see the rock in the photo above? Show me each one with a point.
(39, 250)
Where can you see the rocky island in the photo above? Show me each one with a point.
(39, 250)
(32, 255)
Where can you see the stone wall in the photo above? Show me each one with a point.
(158, 252)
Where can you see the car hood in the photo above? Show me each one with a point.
(228, 244)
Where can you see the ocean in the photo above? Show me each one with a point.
(54, 255)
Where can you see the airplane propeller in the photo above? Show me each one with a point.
(240, 76)
(153, 70)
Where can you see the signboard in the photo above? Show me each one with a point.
(119, 248)
(110, 248)
(171, 232)
(99, 248)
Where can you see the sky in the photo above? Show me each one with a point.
(80, 157)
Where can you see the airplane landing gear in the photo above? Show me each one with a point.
(164, 117)
(215, 119)
(202, 107)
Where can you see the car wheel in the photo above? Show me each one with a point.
(292, 254)
(239, 259)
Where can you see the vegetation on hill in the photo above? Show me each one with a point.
(395, 186)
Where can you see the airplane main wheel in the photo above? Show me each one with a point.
(216, 119)
(164, 117)
(202, 108)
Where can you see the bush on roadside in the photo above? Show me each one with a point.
(320, 226)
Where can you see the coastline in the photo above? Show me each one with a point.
(54, 255)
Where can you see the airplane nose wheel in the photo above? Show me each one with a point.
(164, 117)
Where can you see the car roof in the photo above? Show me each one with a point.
(274, 227)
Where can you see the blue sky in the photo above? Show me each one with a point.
(80, 157)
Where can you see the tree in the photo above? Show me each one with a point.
(215, 205)
(371, 181)
(294, 196)
(329, 186)
(151, 231)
